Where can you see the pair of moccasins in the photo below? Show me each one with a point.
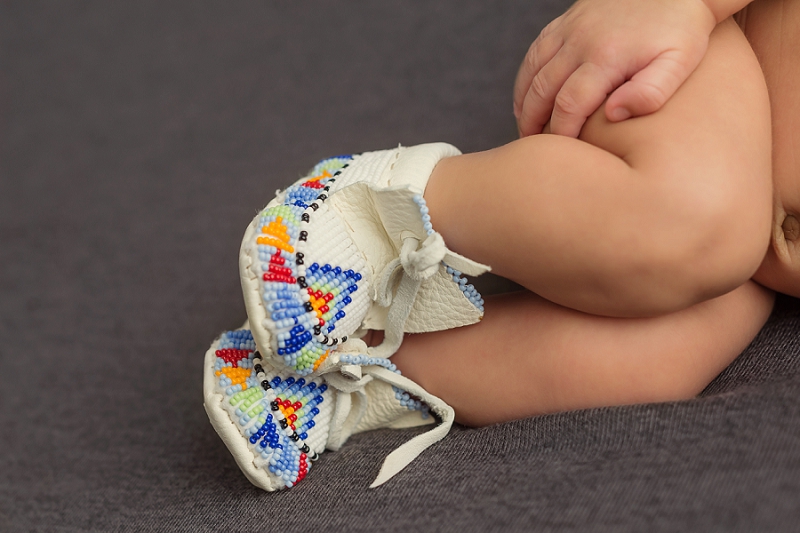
(347, 249)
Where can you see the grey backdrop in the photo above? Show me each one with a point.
(137, 139)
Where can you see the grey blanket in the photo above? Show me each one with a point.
(137, 139)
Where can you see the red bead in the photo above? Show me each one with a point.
(283, 271)
(324, 309)
(232, 355)
(328, 297)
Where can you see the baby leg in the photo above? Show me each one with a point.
(530, 356)
(637, 218)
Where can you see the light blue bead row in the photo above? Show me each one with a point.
(366, 360)
(412, 404)
(423, 210)
(469, 291)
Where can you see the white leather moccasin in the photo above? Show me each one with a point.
(276, 422)
(349, 248)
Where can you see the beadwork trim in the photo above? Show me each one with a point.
(304, 303)
(469, 291)
(402, 396)
(423, 211)
(367, 360)
(276, 414)
(411, 403)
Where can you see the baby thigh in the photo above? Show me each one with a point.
(530, 356)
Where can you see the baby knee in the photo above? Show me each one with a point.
(715, 243)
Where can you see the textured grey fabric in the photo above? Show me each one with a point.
(137, 139)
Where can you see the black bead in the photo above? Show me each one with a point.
(308, 306)
(305, 218)
(256, 355)
(302, 284)
(346, 165)
(325, 340)
(300, 262)
(303, 235)
(265, 385)
(344, 339)
(258, 368)
(317, 330)
(295, 437)
(300, 255)
(322, 197)
(305, 448)
(274, 405)
(337, 173)
(315, 456)
(314, 206)
(284, 424)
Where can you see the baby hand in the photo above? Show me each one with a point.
(638, 51)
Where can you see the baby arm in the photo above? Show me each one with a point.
(638, 52)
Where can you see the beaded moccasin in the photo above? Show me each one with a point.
(275, 422)
(348, 248)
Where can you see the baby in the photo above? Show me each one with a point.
(639, 227)
(649, 245)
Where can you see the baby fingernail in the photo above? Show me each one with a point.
(620, 113)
